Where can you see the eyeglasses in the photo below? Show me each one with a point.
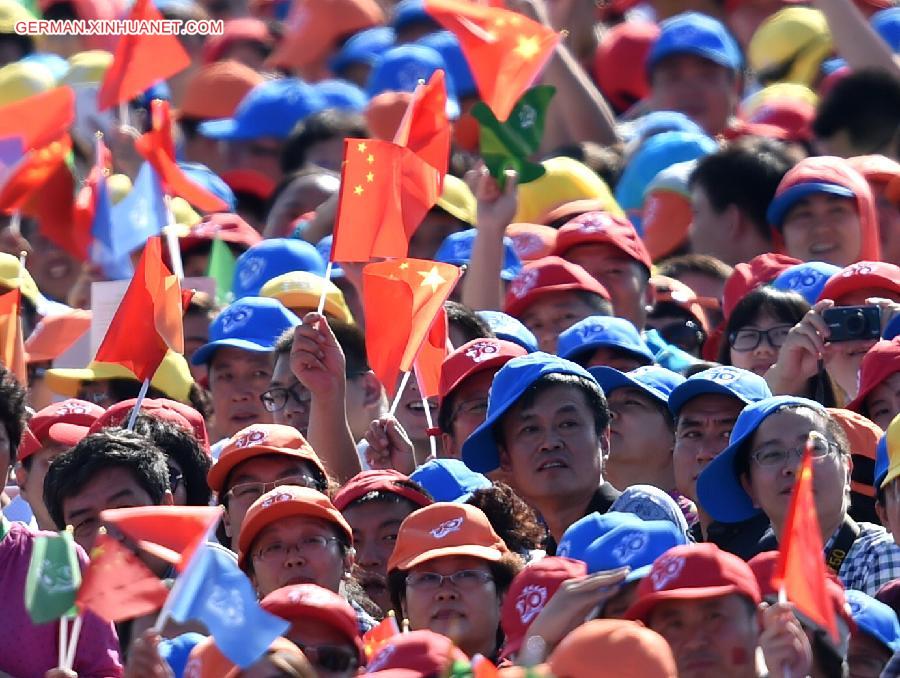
(275, 399)
(477, 407)
(277, 551)
(464, 579)
(332, 658)
(773, 456)
(247, 493)
(748, 339)
(685, 334)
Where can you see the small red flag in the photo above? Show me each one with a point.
(386, 191)
(431, 357)
(172, 533)
(483, 667)
(116, 585)
(375, 638)
(800, 569)
(85, 206)
(402, 298)
(157, 148)
(425, 129)
(148, 321)
(505, 50)
(141, 60)
(12, 344)
(40, 119)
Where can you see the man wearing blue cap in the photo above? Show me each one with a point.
(547, 427)
(756, 473)
(238, 357)
(876, 637)
(604, 341)
(269, 259)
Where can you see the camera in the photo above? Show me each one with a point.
(853, 323)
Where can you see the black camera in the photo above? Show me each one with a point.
(853, 323)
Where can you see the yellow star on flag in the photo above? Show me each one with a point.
(358, 189)
(431, 278)
(404, 266)
(370, 177)
(528, 47)
(370, 159)
(361, 147)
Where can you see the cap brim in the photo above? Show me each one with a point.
(647, 357)
(497, 362)
(610, 379)
(781, 204)
(892, 474)
(204, 354)
(642, 608)
(66, 381)
(224, 128)
(219, 471)
(719, 490)
(67, 434)
(696, 50)
(692, 388)
(472, 550)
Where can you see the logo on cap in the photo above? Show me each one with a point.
(447, 527)
(525, 283)
(530, 602)
(527, 117)
(563, 549)
(481, 351)
(800, 280)
(526, 243)
(859, 268)
(70, 408)
(234, 318)
(314, 596)
(596, 222)
(251, 269)
(281, 496)
(251, 437)
(408, 76)
(857, 605)
(631, 544)
(665, 569)
(723, 375)
(588, 331)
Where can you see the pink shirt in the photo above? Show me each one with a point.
(29, 651)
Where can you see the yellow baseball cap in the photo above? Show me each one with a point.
(9, 278)
(11, 12)
(22, 79)
(87, 68)
(173, 377)
(790, 46)
(776, 92)
(300, 291)
(457, 200)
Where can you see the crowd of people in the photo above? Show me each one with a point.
(688, 288)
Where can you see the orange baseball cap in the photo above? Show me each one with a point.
(863, 434)
(64, 423)
(532, 241)
(207, 661)
(243, 29)
(287, 501)
(445, 529)
(258, 440)
(55, 334)
(667, 220)
(384, 113)
(627, 648)
(215, 90)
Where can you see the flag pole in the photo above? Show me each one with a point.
(124, 117)
(63, 634)
(324, 288)
(172, 241)
(782, 598)
(137, 405)
(431, 437)
(396, 402)
(15, 222)
(73, 642)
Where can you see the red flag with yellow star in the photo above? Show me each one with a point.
(505, 50)
(375, 638)
(430, 358)
(425, 129)
(402, 299)
(386, 191)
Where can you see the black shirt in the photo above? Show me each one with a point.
(744, 539)
(601, 501)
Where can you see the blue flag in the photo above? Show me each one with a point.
(115, 266)
(214, 591)
(139, 215)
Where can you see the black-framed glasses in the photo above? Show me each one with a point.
(333, 658)
(275, 399)
(820, 447)
(247, 493)
(463, 579)
(748, 338)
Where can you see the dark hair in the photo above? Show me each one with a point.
(745, 174)
(598, 305)
(350, 338)
(392, 497)
(467, 321)
(322, 126)
(121, 388)
(182, 446)
(866, 105)
(786, 307)
(607, 162)
(203, 303)
(700, 264)
(512, 519)
(12, 411)
(111, 448)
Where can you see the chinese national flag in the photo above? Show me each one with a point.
(12, 344)
(425, 129)
(386, 191)
(402, 298)
(431, 357)
(148, 321)
(157, 148)
(40, 119)
(505, 50)
(116, 585)
(800, 569)
(141, 60)
(376, 637)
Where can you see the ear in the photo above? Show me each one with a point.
(748, 488)
(882, 514)
(603, 445)
(505, 459)
(448, 446)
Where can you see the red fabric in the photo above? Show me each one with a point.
(148, 321)
(425, 129)
(157, 148)
(505, 50)
(862, 275)
(620, 62)
(386, 191)
(117, 585)
(746, 277)
(546, 275)
(383, 480)
(800, 569)
(473, 357)
(602, 228)
(431, 357)
(879, 362)
(39, 119)
(402, 298)
(374, 639)
(141, 60)
(12, 345)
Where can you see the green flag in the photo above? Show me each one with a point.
(221, 267)
(53, 578)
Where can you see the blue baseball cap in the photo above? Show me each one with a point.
(719, 489)
(363, 48)
(806, 279)
(648, 502)
(588, 529)
(449, 480)
(511, 329)
(782, 203)
(342, 95)
(697, 34)
(271, 109)
(457, 65)
(882, 461)
(250, 324)
(457, 250)
(270, 258)
(874, 618)
(480, 451)
(634, 546)
(54, 63)
(887, 24)
(323, 247)
(401, 68)
(744, 385)
(212, 182)
(596, 331)
(655, 381)
(657, 122)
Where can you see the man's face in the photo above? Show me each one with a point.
(883, 402)
(701, 89)
(690, 625)
(319, 641)
(31, 482)
(236, 380)
(890, 511)
(553, 313)
(622, 276)
(54, 270)
(294, 413)
(411, 413)
(110, 488)
(551, 449)
(260, 155)
(710, 229)
(428, 237)
(823, 227)
(469, 411)
(702, 429)
(866, 656)
(196, 333)
(639, 432)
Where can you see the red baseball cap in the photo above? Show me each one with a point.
(547, 275)
(386, 480)
(64, 423)
(620, 62)
(672, 291)
(224, 226)
(603, 228)
(473, 357)
(746, 277)
(693, 572)
(532, 241)
(258, 440)
(172, 411)
(309, 601)
(790, 115)
(879, 362)
(877, 169)
(243, 29)
(415, 654)
(878, 275)
(531, 589)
